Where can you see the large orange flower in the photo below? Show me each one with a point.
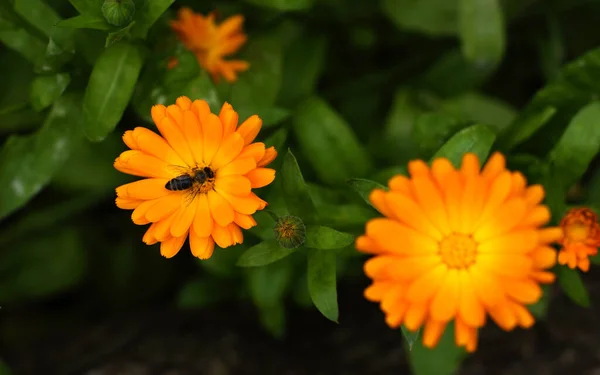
(211, 43)
(581, 238)
(198, 176)
(458, 245)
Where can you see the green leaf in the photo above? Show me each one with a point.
(274, 116)
(571, 283)
(364, 187)
(222, 263)
(110, 88)
(295, 192)
(301, 70)
(44, 18)
(322, 282)
(578, 146)
(272, 318)
(116, 36)
(268, 284)
(384, 175)
(444, 359)
(512, 136)
(146, 13)
(555, 104)
(397, 141)
(44, 265)
(411, 337)
(595, 259)
(453, 74)
(324, 238)
(256, 89)
(199, 293)
(85, 21)
(481, 27)
(263, 253)
(283, 5)
(89, 168)
(433, 17)
(28, 163)
(477, 139)
(329, 143)
(345, 216)
(91, 7)
(480, 109)
(46, 89)
(432, 130)
(24, 43)
(201, 87)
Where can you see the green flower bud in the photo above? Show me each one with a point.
(290, 231)
(118, 12)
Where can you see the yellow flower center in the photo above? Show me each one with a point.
(458, 250)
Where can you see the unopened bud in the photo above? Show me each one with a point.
(290, 231)
(118, 12)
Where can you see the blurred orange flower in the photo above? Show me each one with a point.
(581, 238)
(458, 245)
(198, 176)
(211, 43)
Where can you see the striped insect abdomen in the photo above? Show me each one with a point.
(179, 183)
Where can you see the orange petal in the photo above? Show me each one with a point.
(445, 303)
(238, 166)
(200, 109)
(250, 128)
(236, 233)
(184, 102)
(448, 180)
(470, 165)
(544, 257)
(497, 194)
(368, 245)
(183, 221)
(486, 286)
(516, 242)
(130, 140)
(511, 265)
(164, 207)
(220, 209)
(536, 217)
(261, 177)
(176, 115)
(470, 308)
(149, 238)
(127, 204)
(506, 217)
(433, 332)
(155, 145)
(149, 188)
(203, 221)
(176, 139)
(495, 165)
(254, 150)
(222, 236)
(426, 285)
(193, 134)
(401, 184)
(392, 298)
(523, 291)
(504, 316)
(138, 216)
(377, 199)
(534, 194)
(430, 200)
(415, 316)
(212, 132)
(270, 155)
(234, 184)
(229, 150)
(418, 168)
(170, 247)
(244, 221)
(396, 238)
(142, 164)
(158, 112)
(229, 119)
(202, 247)
(245, 205)
(376, 291)
(411, 214)
(524, 317)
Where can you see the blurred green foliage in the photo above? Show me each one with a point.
(349, 91)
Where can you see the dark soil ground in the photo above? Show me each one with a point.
(227, 340)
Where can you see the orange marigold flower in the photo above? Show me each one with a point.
(199, 176)
(581, 238)
(458, 245)
(211, 43)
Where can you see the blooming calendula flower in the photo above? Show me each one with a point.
(199, 175)
(458, 245)
(581, 238)
(211, 43)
